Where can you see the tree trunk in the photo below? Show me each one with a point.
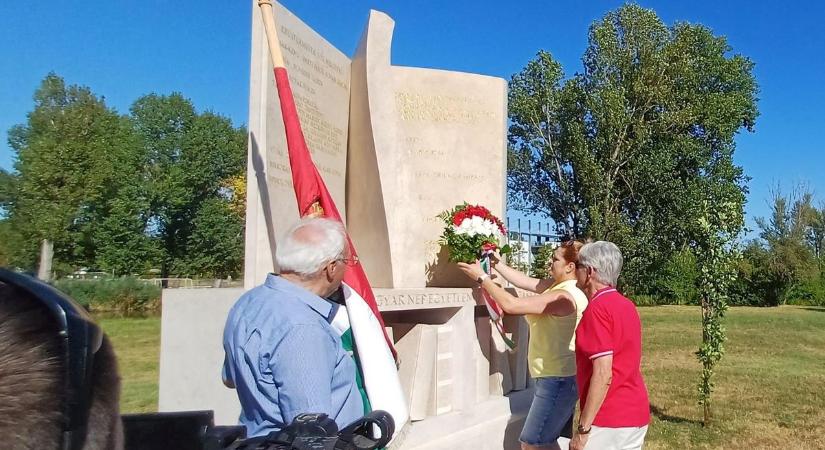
(44, 270)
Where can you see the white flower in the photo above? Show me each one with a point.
(474, 226)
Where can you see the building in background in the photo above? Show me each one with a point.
(527, 236)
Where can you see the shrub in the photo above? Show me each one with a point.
(675, 281)
(809, 293)
(121, 294)
(648, 300)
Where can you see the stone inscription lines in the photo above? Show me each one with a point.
(313, 58)
(450, 298)
(315, 77)
(438, 167)
(437, 108)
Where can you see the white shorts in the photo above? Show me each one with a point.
(629, 438)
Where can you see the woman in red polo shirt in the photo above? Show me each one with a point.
(615, 410)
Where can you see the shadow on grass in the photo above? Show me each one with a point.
(659, 414)
(814, 308)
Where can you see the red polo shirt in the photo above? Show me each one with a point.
(611, 325)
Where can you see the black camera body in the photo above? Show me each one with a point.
(319, 432)
(195, 430)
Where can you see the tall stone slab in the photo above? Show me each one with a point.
(421, 141)
(320, 79)
(396, 146)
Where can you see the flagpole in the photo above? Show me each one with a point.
(271, 33)
(378, 362)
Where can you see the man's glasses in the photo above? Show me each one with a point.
(582, 266)
(351, 261)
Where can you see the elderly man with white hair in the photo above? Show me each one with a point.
(283, 355)
(615, 410)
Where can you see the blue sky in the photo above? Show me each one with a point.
(123, 50)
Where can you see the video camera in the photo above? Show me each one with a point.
(196, 431)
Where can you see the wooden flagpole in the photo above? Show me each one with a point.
(315, 210)
(271, 33)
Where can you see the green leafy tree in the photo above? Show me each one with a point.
(216, 243)
(638, 149)
(7, 182)
(7, 187)
(126, 246)
(68, 163)
(815, 235)
(717, 226)
(626, 149)
(188, 158)
(5, 249)
(676, 280)
(753, 285)
(790, 239)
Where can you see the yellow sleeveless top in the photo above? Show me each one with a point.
(551, 352)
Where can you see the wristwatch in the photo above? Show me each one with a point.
(580, 429)
(483, 277)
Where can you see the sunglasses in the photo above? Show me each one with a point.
(80, 339)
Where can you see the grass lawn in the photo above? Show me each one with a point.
(137, 344)
(770, 386)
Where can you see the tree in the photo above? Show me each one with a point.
(7, 188)
(677, 278)
(5, 249)
(628, 148)
(69, 158)
(790, 236)
(718, 224)
(816, 234)
(541, 265)
(217, 240)
(638, 149)
(125, 244)
(188, 158)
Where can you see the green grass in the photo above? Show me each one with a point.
(770, 386)
(137, 344)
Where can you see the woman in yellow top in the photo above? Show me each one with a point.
(553, 316)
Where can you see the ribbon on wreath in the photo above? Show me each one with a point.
(493, 308)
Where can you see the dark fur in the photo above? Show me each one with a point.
(31, 381)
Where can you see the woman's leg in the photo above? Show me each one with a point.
(552, 407)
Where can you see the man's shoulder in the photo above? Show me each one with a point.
(266, 302)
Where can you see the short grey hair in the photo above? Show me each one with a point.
(310, 244)
(605, 257)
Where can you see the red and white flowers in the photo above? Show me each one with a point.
(471, 230)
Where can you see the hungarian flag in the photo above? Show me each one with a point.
(312, 194)
(375, 352)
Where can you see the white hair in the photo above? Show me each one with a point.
(605, 257)
(310, 244)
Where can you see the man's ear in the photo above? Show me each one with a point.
(330, 269)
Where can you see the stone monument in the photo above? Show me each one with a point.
(396, 146)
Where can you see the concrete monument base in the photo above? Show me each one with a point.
(465, 390)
